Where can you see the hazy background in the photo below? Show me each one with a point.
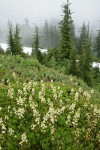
(39, 10)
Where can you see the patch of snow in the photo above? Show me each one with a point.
(96, 64)
(4, 46)
(25, 49)
(43, 50)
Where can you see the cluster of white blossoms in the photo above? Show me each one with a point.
(68, 120)
(20, 100)
(2, 126)
(54, 90)
(72, 107)
(19, 92)
(76, 96)
(23, 139)
(87, 95)
(76, 117)
(71, 111)
(76, 135)
(10, 93)
(51, 115)
(96, 115)
(34, 108)
(11, 131)
(20, 112)
(42, 93)
(80, 90)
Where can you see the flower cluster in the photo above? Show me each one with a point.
(23, 139)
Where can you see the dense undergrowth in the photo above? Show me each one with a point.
(26, 69)
(39, 113)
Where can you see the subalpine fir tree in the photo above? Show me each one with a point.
(35, 46)
(85, 61)
(17, 41)
(65, 26)
(82, 37)
(97, 45)
(11, 47)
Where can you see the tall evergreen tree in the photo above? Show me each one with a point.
(11, 47)
(35, 46)
(65, 26)
(17, 41)
(85, 61)
(82, 37)
(97, 44)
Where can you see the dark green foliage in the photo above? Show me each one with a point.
(11, 40)
(82, 37)
(14, 41)
(65, 26)
(97, 45)
(96, 78)
(17, 42)
(35, 46)
(73, 58)
(85, 63)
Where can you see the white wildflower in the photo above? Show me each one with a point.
(0, 108)
(6, 117)
(76, 96)
(20, 112)
(33, 126)
(20, 100)
(11, 93)
(72, 107)
(23, 139)
(10, 131)
(14, 75)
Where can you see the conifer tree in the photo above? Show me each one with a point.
(35, 46)
(65, 26)
(85, 61)
(17, 41)
(97, 44)
(82, 37)
(11, 40)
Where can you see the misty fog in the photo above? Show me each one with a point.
(37, 11)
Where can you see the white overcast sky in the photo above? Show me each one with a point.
(37, 11)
